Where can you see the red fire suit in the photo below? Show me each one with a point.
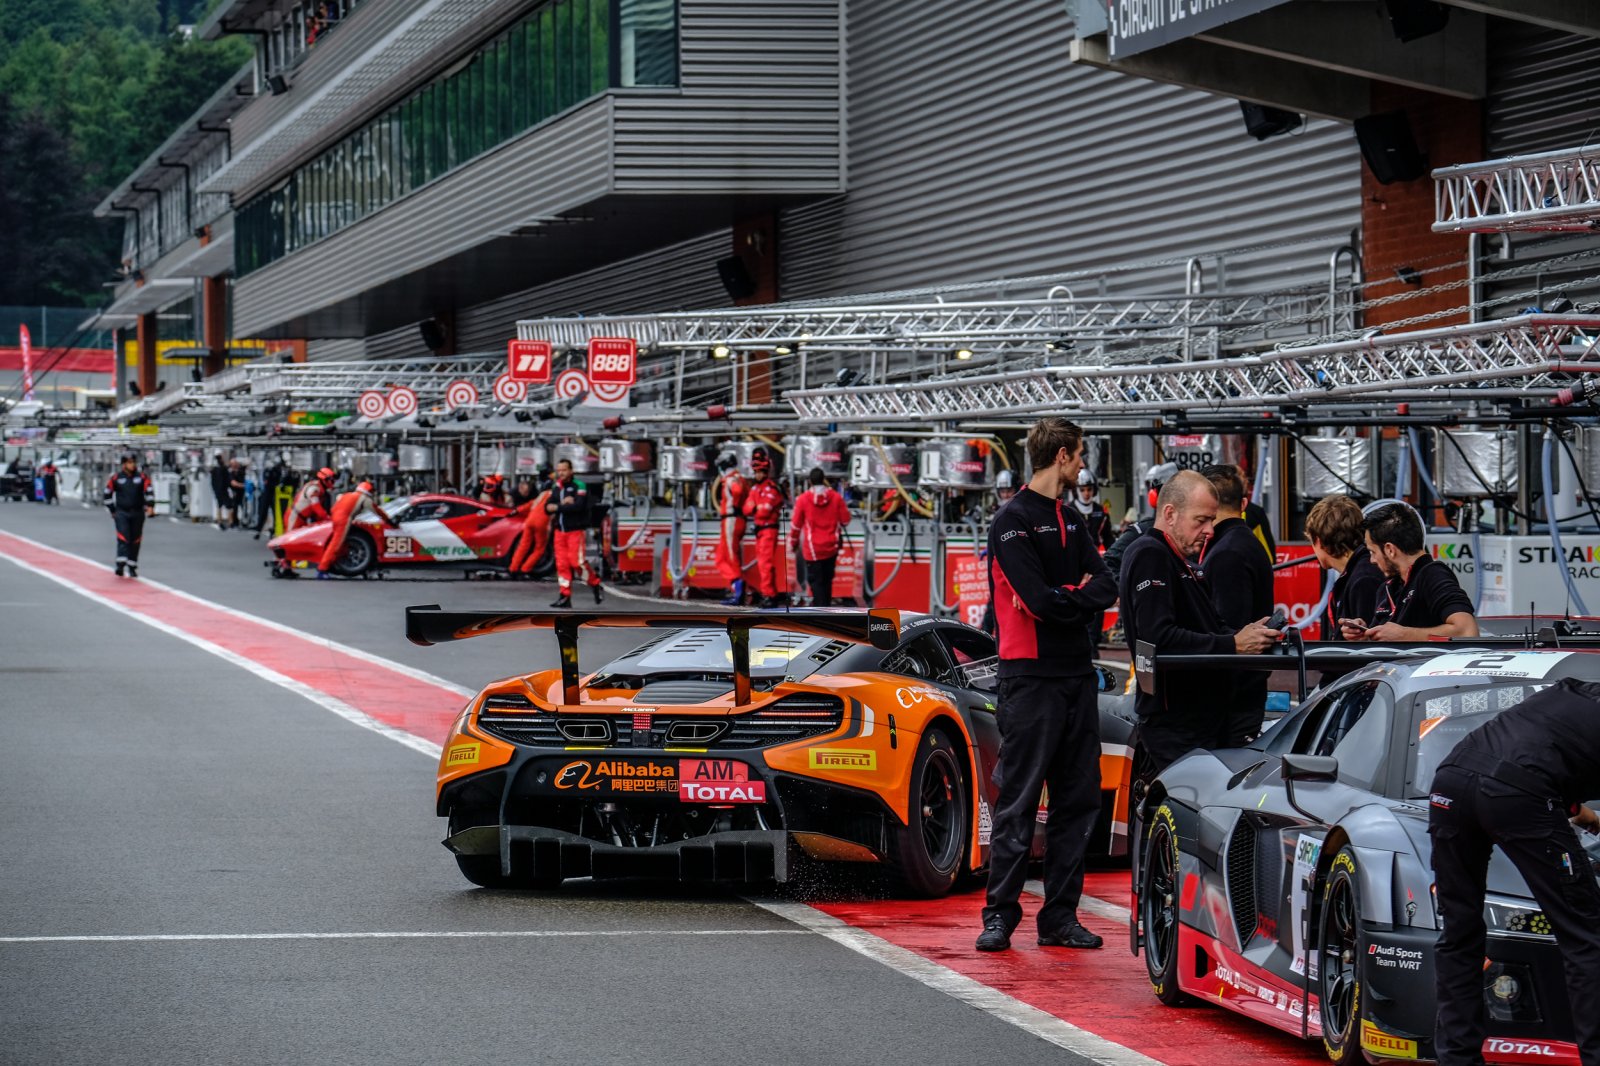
(310, 506)
(815, 529)
(730, 526)
(345, 510)
(571, 503)
(763, 505)
(535, 535)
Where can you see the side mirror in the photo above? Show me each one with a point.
(1306, 769)
(1310, 768)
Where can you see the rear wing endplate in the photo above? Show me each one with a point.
(431, 624)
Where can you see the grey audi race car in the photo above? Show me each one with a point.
(1290, 881)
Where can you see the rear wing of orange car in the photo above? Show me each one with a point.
(431, 624)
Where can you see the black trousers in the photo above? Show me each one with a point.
(1246, 712)
(1468, 815)
(819, 575)
(1049, 735)
(130, 530)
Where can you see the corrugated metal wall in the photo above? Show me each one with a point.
(1544, 95)
(759, 107)
(554, 168)
(977, 151)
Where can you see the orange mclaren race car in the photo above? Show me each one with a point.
(728, 743)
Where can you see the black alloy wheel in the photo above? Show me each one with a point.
(1339, 946)
(1158, 908)
(928, 853)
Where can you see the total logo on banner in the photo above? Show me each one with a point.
(718, 781)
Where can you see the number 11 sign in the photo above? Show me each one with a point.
(530, 361)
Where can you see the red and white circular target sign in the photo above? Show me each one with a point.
(402, 401)
(460, 394)
(570, 384)
(372, 404)
(610, 392)
(508, 389)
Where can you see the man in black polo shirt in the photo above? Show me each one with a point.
(1046, 581)
(1240, 577)
(1166, 600)
(1422, 598)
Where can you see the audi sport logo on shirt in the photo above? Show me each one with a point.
(1010, 533)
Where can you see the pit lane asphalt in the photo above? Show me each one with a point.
(150, 788)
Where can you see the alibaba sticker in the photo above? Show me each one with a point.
(576, 775)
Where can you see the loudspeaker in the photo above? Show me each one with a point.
(736, 278)
(1389, 149)
(433, 334)
(1411, 19)
(277, 84)
(1262, 122)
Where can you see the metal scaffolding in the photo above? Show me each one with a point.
(1552, 191)
(1512, 358)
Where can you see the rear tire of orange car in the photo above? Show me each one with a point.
(930, 852)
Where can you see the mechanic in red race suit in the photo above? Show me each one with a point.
(346, 509)
(535, 539)
(130, 500)
(311, 502)
(569, 504)
(1046, 580)
(763, 505)
(816, 531)
(1515, 782)
(730, 491)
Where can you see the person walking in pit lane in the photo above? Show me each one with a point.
(763, 505)
(730, 491)
(569, 504)
(1046, 580)
(130, 499)
(346, 509)
(1515, 782)
(1421, 599)
(816, 532)
(535, 540)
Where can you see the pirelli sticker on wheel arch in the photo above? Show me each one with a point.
(842, 759)
(1375, 1039)
(461, 755)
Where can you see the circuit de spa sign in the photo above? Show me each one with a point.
(1139, 25)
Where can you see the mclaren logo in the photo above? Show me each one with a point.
(576, 775)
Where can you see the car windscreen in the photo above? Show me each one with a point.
(1442, 717)
(685, 653)
(397, 507)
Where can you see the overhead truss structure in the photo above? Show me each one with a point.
(1088, 327)
(1488, 361)
(1552, 191)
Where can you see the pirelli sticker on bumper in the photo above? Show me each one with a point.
(842, 759)
(462, 755)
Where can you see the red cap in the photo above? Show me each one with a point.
(326, 474)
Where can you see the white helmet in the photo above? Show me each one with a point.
(1159, 475)
(1003, 480)
(1086, 478)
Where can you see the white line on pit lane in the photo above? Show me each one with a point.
(1092, 904)
(425, 935)
(321, 699)
(1025, 1016)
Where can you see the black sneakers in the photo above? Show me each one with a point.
(1073, 935)
(599, 594)
(995, 936)
(562, 601)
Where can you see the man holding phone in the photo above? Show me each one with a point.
(1422, 598)
(1240, 577)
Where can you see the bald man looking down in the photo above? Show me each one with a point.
(1167, 602)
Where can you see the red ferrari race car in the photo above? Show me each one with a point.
(429, 529)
